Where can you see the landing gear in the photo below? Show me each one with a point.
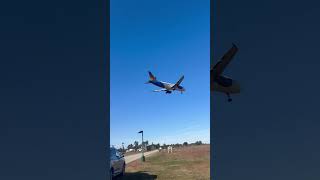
(168, 92)
(229, 98)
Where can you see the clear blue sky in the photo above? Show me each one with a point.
(170, 39)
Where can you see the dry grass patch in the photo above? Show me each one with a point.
(185, 163)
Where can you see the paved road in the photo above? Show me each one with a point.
(134, 157)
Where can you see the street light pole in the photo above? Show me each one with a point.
(142, 157)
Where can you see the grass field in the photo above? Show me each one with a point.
(187, 163)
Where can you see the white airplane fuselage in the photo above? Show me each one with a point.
(167, 86)
(225, 85)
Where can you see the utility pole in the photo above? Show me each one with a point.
(142, 156)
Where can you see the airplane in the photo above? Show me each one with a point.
(221, 83)
(167, 87)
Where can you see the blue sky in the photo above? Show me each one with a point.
(170, 39)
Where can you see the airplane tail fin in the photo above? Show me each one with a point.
(151, 76)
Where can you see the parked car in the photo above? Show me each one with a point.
(117, 163)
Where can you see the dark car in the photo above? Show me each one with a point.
(117, 163)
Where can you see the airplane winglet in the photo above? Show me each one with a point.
(179, 82)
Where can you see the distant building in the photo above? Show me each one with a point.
(151, 147)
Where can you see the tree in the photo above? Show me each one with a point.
(185, 143)
(144, 144)
(136, 145)
(121, 150)
(130, 146)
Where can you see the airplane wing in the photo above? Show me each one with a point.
(159, 90)
(225, 60)
(178, 83)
